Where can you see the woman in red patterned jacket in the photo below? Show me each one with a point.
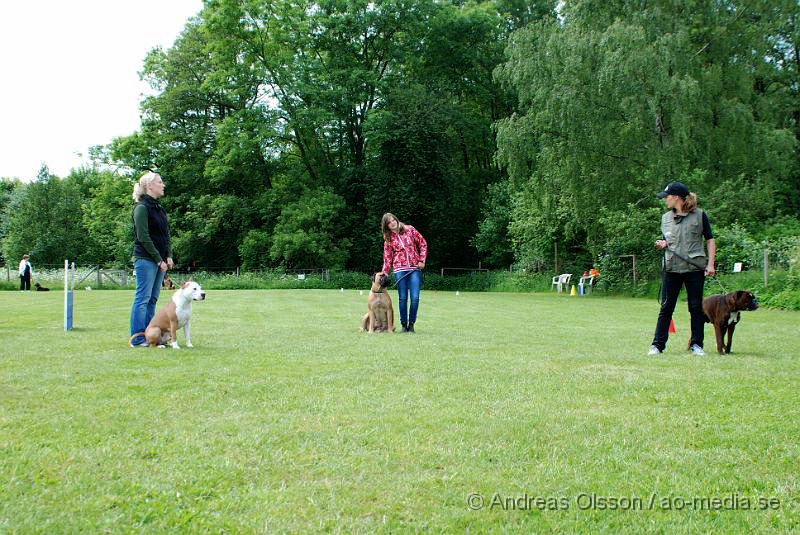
(404, 251)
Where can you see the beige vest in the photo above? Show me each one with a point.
(684, 235)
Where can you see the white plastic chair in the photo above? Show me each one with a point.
(587, 281)
(561, 281)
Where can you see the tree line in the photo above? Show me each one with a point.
(511, 131)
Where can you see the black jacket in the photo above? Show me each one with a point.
(151, 233)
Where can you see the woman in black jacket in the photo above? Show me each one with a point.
(152, 253)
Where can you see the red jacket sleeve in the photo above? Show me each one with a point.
(388, 254)
(422, 244)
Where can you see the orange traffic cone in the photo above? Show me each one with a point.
(671, 326)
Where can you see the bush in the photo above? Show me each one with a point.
(783, 290)
(734, 244)
(621, 237)
(254, 249)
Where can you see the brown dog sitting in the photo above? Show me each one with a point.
(168, 284)
(380, 315)
(723, 312)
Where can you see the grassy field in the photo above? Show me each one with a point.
(505, 413)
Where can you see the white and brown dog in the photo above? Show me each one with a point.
(163, 328)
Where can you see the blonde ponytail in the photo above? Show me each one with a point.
(140, 188)
(690, 203)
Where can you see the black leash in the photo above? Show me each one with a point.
(688, 261)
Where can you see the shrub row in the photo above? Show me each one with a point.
(783, 290)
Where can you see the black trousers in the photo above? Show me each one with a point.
(694, 293)
(25, 282)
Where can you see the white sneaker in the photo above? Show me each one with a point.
(653, 351)
(697, 350)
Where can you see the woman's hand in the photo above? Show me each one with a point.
(170, 263)
(421, 265)
(710, 271)
(163, 266)
(661, 244)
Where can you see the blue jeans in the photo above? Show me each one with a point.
(408, 281)
(149, 279)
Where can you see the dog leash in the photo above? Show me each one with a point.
(688, 261)
(704, 267)
(394, 285)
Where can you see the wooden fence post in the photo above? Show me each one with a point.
(556, 255)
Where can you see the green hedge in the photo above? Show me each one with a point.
(783, 290)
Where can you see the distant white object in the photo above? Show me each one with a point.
(361, 292)
(342, 290)
(88, 288)
(562, 281)
(737, 267)
(301, 277)
(456, 292)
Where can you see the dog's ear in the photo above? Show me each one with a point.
(189, 279)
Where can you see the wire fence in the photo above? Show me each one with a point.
(101, 277)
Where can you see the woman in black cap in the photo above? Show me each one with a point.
(684, 228)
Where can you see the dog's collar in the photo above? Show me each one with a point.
(383, 291)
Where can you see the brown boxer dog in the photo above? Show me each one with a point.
(380, 315)
(723, 312)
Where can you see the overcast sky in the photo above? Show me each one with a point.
(70, 75)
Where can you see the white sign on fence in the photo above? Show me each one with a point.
(737, 267)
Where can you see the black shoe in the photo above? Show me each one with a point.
(411, 327)
(405, 328)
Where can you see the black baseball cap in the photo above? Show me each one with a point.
(674, 188)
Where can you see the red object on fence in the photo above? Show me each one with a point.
(671, 326)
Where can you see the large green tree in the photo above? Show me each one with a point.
(615, 99)
(45, 221)
(107, 210)
(260, 104)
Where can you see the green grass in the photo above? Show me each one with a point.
(285, 419)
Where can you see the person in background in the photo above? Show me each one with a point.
(25, 273)
(594, 274)
(404, 252)
(684, 230)
(152, 252)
